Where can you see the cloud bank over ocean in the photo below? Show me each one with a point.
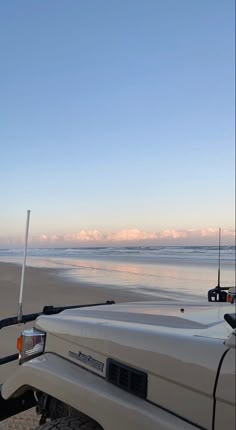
(207, 236)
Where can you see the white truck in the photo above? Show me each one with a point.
(130, 366)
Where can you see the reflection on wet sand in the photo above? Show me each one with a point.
(146, 278)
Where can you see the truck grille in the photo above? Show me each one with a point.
(129, 379)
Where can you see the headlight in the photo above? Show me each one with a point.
(30, 344)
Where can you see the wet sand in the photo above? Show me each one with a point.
(44, 287)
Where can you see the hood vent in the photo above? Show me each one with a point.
(129, 379)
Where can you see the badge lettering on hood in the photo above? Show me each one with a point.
(87, 359)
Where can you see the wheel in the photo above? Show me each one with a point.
(71, 423)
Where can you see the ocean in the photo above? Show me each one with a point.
(173, 270)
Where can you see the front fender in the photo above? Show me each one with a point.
(110, 406)
(14, 406)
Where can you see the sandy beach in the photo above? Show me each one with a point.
(43, 287)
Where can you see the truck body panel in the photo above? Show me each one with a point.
(182, 355)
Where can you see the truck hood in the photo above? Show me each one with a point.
(192, 319)
(178, 346)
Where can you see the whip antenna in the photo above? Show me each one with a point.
(19, 316)
(218, 284)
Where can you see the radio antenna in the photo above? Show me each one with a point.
(218, 284)
(19, 316)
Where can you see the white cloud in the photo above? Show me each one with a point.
(130, 235)
(173, 234)
(84, 236)
(43, 238)
(168, 236)
(135, 235)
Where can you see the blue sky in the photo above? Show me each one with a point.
(117, 120)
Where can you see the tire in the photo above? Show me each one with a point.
(71, 423)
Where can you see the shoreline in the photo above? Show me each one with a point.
(58, 286)
(175, 261)
(46, 286)
(160, 278)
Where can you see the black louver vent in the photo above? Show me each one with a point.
(127, 378)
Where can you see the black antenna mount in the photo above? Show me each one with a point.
(218, 294)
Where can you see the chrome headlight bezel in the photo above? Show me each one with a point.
(30, 344)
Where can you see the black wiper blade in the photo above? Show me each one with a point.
(51, 310)
(47, 310)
